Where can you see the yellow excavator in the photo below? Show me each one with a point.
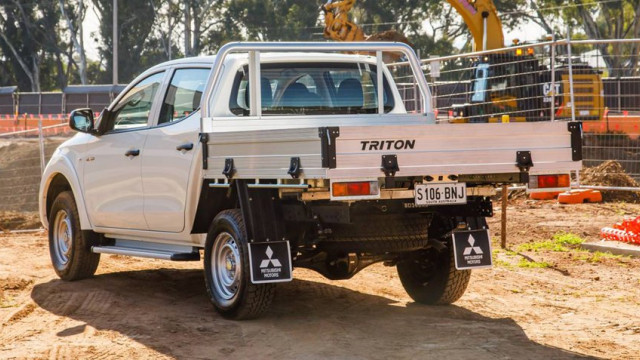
(339, 27)
(512, 83)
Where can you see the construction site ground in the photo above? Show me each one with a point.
(544, 298)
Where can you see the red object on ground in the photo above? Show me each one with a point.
(580, 196)
(545, 195)
(627, 231)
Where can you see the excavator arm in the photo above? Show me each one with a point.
(480, 16)
(338, 26)
(483, 22)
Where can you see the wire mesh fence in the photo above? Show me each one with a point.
(596, 82)
(614, 136)
(593, 81)
(23, 154)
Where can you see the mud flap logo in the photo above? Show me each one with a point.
(472, 249)
(270, 262)
(270, 259)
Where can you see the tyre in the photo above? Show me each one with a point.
(379, 234)
(430, 277)
(69, 246)
(227, 273)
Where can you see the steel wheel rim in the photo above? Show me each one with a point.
(62, 237)
(226, 269)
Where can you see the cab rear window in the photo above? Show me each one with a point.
(312, 88)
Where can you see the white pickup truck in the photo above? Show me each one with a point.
(319, 166)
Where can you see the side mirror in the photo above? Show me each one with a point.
(82, 120)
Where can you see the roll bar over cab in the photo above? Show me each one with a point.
(293, 158)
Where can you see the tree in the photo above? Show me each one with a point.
(599, 20)
(20, 42)
(611, 20)
(199, 17)
(73, 15)
(270, 20)
(168, 15)
(135, 23)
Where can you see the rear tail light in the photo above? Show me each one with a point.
(354, 188)
(549, 181)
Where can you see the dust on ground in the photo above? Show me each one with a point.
(542, 299)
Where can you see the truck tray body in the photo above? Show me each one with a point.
(427, 149)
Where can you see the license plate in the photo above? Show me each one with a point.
(441, 194)
(472, 249)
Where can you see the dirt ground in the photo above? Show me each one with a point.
(544, 298)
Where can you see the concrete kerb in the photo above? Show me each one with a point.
(614, 247)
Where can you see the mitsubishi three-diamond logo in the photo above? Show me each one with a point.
(269, 259)
(468, 250)
(472, 249)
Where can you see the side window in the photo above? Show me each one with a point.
(240, 99)
(134, 108)
(183, 95)
(313, 88)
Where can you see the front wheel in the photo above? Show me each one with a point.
(430, 277)
(69, 246)
(226, 268)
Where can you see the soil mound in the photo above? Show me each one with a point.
(15, 220)
(611, 173)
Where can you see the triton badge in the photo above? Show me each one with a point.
(387, 144)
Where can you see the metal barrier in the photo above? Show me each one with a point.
(23, 155)
(95, 97)
(594, 81)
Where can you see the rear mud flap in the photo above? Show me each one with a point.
(472, 249)
(270, 262)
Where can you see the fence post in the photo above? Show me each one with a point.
(573, 103)
(553, 77)
(619, 95)
(41, 142)
(503, 216)
(415, 88)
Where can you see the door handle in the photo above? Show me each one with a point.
(132, 152)
(186, 147)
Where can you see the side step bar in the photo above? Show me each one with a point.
(149, 250)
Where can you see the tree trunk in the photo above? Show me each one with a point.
(187, 28)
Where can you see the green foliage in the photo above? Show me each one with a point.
(37, 51)
(270, 20)
(597, 256)
(558, 243)
(542, 245)
(567, 238)
(524, 263)
(136, 19)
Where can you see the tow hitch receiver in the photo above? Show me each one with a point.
(472, 249)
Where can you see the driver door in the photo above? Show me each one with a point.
(112, 174)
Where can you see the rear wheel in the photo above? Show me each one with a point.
(69, 246)
(226, 265)
(430, 277)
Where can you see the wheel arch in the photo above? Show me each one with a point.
(53, 183)
(211, 202)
